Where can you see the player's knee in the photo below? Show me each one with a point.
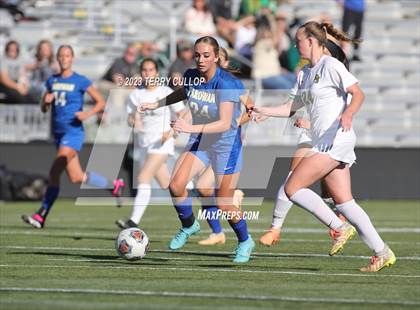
(205, 192)
(289, 190)
(176, 188)
(76, 178)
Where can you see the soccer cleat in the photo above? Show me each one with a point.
(238, 196)
(125, 224)
(331, 232)
(181, 238)
(341, 236)
(377, 262)
(117, 191)
(35, 220)
(243, 250)
(214, 239)
(271, 237)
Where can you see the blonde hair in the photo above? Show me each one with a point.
(319, 31)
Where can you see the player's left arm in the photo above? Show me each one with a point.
(357, 98)
(97, 108)
(221, 125)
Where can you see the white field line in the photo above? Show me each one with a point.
(113, 235)
(145, 267)
(415, 230)
(255, 254)
(209, 295)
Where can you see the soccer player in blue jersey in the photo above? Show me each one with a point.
(214, 138)
(65, 97)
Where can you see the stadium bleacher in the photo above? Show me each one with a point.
(389, 73)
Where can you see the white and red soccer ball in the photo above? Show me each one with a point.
(132, 244)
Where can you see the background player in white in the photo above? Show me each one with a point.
(323, 87)
(154, 138)
(304, 145)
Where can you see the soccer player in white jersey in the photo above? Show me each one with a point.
(323, 86)
(304, 145)
(154, 138)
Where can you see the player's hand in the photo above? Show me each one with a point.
(346, 121)
(147, 106)
(22, 89)
(82, 115)
(48, 99)
(302, 123)
(180, 125)
(258, 118)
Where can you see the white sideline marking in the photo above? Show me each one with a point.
(145, 267)
(259, 254)
(208, 295)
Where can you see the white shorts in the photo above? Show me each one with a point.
(305, 137)
(339, 147)
(168, 148)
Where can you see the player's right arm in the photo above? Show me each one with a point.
(287, 109)
(174, 97)
(46, 101)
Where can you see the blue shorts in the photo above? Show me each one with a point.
(73, 139)
(221, 162)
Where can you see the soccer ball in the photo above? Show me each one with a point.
(132, 244)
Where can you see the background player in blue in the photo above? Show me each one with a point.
(214, 138)
(65, 94)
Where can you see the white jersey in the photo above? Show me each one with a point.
(304, 135)
(156, 122)
(322, 89)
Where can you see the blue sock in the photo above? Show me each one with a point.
(96, 180)
(241, 230)
(50, 196)
(212, 219)
(185, 212)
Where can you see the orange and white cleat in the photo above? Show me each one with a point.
(238, 196)
(377, 262)
(332, 232)
(271, 237)
(341, 236)
(214, 239)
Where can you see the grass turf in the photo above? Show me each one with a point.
(72, 264)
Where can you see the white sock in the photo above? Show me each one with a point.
(310, 201)
(144, 191)
(359, 219)
(282, 207)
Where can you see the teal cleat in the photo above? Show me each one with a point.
(243, 250)
(183, 234)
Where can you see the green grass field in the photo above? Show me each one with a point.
(72, 263)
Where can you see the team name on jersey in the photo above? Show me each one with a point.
(63, 86)
(202, 95)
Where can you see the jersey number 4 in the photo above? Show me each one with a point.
(60, 98)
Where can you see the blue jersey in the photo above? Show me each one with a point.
(204, 101)
(68, 93)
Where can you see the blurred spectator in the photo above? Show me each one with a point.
(123, 67)
(149, 49)
(353, 13)
(245, 36)
(14, 86)
(198, 19)
(12, 6)
(256, 7)
(266, 66)
(42, 68)
(182, 63)
(222, 16)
